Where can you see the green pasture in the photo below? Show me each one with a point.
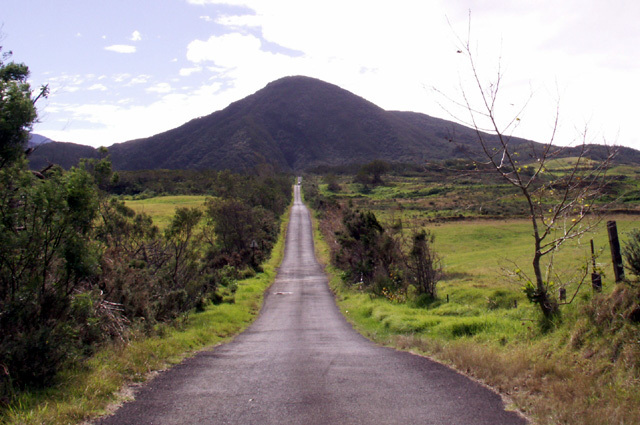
(480, 296)
(439, 193)
(480, 252)
(162, 208)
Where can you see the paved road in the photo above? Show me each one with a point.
(302, 363)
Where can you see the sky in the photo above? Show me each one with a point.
(121, 70)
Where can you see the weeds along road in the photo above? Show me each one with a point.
(302, 363)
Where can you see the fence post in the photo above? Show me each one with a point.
(563, 294)
(616, 256)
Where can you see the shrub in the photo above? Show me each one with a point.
(424, 265)
(631, 252)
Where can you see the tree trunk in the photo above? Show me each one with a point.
(548, 306)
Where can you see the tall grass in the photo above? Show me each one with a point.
(105, 380)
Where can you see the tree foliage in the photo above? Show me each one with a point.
(424, 264)
(17, 108)
(372, 172)
(383, 260)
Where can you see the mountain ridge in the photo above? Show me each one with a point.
(294, 123)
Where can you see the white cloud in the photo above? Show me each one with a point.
(228, 50)
(99, 87)
(410, 46)
(160, 88)
(239, 21)
(185, 72)
(136, 36)
(118, 78)
(140, 79)
(121, 48)
(206, 18)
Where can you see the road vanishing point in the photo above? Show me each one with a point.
(301, 362)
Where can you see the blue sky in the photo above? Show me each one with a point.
(121, 70)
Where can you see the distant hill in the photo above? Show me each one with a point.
(294, 123)
(64, 154)
(37, 140)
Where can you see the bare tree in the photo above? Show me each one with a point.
(561, 201)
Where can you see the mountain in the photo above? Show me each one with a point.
(64, 154)
(295, 123)
(37, 140)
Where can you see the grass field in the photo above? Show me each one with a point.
(161, 208)
(583, 368)
(485, 299)
(578, 371)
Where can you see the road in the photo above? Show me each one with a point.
(301, 362)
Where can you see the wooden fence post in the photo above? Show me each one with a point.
(616, 256)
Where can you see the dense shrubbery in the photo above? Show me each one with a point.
(47, 258)
(386, 260)
(79, 268)
(262, 186)
(383, 260)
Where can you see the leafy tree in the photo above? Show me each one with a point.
(47, 255)
(382, 260)
(180, 236)
(375, 169)
(360, 242)
(332, 182)
(236, 226)
(17, 108)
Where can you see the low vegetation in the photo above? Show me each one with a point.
(94, 386)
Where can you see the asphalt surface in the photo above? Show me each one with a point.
(302, 363)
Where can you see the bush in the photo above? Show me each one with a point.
(631, 252)
(424, 267)
(379, 260)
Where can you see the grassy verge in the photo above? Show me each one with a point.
(107, 378)
(574, 373)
